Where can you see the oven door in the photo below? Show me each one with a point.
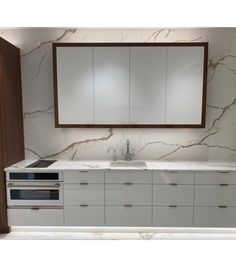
(34, 194)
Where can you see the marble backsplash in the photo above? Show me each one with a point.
(42, 140)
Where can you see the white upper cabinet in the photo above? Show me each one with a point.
(184, 90)
(75, 85)
(111, 85)
(147, 85)
(130, 85)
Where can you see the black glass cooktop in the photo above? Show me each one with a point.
(41, 164)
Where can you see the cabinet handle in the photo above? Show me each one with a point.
(173, 172)
(34, 208)
(83, 205)
(223, 207)
(128, 205)
(223, 171)
(83, 171)
(173, 184)
(173, 206)
(83, 183)
(224, 184)
(128, 183)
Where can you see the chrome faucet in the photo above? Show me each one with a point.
(128, 155)
(114, 157)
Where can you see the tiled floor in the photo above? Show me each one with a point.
(74, 234)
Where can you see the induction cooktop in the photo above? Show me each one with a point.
(41, 164)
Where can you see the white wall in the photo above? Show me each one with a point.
(216, 142)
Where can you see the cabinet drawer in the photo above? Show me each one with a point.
(120, 177)
(128, 216)
(173, 177)
(90, 194)
(30, 217)
(215, 195)
(214, 217)
(173, 216)
(165, 195)
(84, 216)
(135, 194)
(215, 178)
(74, 177)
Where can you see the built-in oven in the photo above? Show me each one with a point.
(34, 189)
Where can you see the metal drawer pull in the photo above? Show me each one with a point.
(83, 183)
(128, 206)
(173, 206)
(83, 171)
(34, 186)
(223, 207)
(83, 205)
(34, 208)
(223, 171)
(173, 184)
(224, 184)
(128, 183)
(173, 172)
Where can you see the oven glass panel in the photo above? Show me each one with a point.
(33, 176)
(31, 194)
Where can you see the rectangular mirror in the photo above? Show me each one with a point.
(130, 84)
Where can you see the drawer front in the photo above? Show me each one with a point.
(165, 195)
(41, 217)
(89, 194)
(120, 177)
(214, 217)
(173, 177)
(215, 195)
(215, 178)
(173, 217)
(128, 216)
(135, 194)
(76, 177)
(84, 216)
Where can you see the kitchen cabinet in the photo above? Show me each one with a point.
(11, 119)
(147, 85)
(35, 217)
(184, 78)
(130, 84)
(111, 85)
(136, 198)
(75, 85)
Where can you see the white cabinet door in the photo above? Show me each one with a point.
(75, 85)
(35, 217)
(180, 195)
(89, 194)
(128, 216)
(111, 85)
(84, 215)
(173, 177)
(215, 195)
(184, 85)
(121, 194)
(76, 177)
(214, 217)
(173, 216)
(147, 85)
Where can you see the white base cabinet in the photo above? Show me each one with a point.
(130, 216)
(139, 199)
(173, 216)
(35, 217)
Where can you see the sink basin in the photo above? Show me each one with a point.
(128, 163)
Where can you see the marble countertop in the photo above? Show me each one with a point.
(63, 165)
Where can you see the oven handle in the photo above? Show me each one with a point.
(34, 186)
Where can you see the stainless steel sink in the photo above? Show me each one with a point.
(128, 163)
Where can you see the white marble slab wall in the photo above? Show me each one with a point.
(216, 142)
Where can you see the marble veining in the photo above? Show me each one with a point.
(42, 140)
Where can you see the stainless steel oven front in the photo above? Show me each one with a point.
(27, 190)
